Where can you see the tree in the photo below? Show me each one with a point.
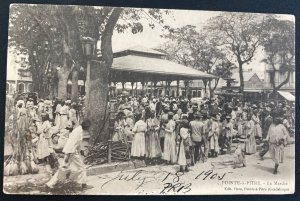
(190, 47)
(238, 35)
(279, 46)
(60, 29)
(51, 38)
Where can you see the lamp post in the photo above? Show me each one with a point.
(88, 49)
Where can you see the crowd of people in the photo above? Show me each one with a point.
(179, 131)
(47, 125)
(164, 130)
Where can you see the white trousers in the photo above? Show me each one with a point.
(76, 168)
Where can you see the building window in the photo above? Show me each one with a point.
(29, 87)
(199, 93)
(23, 62)
(21, 87)
(195, 93)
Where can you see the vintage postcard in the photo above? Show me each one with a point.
(136, 101)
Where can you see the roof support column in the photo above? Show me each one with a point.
(132, 84)
(168, 87)
(136, 89)
(123, 86)
(143, 88)
(154, 90)
(115, 89)
(177, 88)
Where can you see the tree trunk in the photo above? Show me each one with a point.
(74, 91)
(284, 82)
(241, 76)
(212, 89)
(62, 84)
(96, 110)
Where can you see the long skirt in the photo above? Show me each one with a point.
(251, 145)
(153, 149)
(241, 130)
(57, 120)
(63, 121)
(277, 153)
(169, 148)
(214, 143)
(182, 154)
(42, 147)
(257, 130)
(138, 145)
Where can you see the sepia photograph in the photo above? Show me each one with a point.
(146, 101)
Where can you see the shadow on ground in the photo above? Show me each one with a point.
(70, 188)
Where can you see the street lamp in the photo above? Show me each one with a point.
(88, 49)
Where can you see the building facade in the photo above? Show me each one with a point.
(18, 76)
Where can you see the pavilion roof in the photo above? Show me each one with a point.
(139, 68)
(140, 49)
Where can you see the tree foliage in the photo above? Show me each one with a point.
(237, 35)
(190, 47)
(51, 34)
(279, 46)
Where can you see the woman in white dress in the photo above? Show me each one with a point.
(214, 137)
(257, 128)
(57, 114)
(249, 131)
(42, 148)
(184, 155)
(64, 111)
(153, 150)
(138, 143)
(170, 144)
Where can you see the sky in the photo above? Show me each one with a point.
(150, 38)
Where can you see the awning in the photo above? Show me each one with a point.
(252, 90)
(138, 68)
(287, 95)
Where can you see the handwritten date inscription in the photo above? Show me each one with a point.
(172, 182)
